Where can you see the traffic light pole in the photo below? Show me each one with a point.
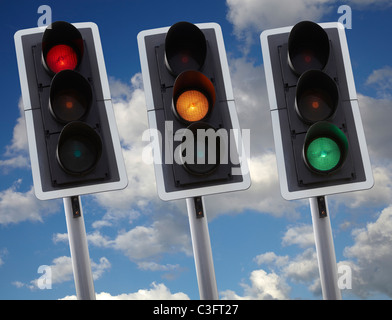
(79, 250)
(202, 249)
(325, 248)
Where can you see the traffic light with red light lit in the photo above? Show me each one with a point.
(73, 140)
(319, 138)
(190, 105)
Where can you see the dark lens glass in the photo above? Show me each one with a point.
(69, 105)
(315, 105)
(79, 148)
(78, 154)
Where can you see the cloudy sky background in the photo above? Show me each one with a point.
(140, 247)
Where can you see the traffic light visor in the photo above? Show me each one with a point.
(70, 96)
(308, 47)
(62, 47)
(185, 48)
(317, 96)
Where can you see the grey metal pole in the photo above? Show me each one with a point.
(202, 249)
(325, 248)
(79, 250)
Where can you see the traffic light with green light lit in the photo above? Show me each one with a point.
(318, 132)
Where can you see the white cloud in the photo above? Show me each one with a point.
(379, 195)
(302, 268)
(60, 237)
(101, 223)
(98, 240)
(369, 260)
(17, 161)
(61, 271)
(251, 100)
(18, 284)
(16, 206)
(376, 115)
(250, 17)
(381, 80)
(169, 233)
(301, 235)
(140, 242)
(157, 292)
(371, 256)
(264, 286)
(153, 266)
(129, 105)
(131, 117)
(98, 269)
(17, 152)
(270, 258)
(166, 235)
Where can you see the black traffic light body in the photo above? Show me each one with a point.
(73, 140)
(188, 92)
(319, 138)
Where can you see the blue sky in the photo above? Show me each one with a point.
(140, 246)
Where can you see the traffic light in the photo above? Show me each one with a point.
(194, 128)
(73, 140)
(319, 138)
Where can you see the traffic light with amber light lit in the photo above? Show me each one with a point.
(73, 140)
(194, 127)
(319, 138)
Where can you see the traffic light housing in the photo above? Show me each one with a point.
(194, 127)
(319, 138)
(73, 140)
